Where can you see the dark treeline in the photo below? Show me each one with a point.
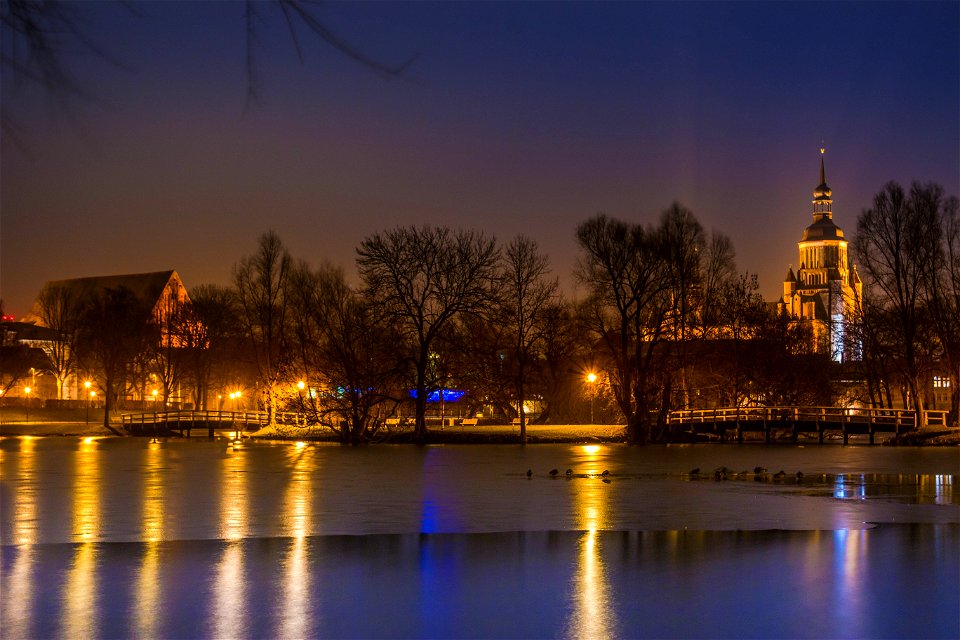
(667, 322)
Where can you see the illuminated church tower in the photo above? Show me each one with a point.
(826, 290)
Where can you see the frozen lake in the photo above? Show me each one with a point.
(122, 537)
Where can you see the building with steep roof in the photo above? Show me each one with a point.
(826, 290)
(162, 292)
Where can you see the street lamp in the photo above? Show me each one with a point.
(86, 385)
(592, 379)
(235, 396)
(27, 391)
(301, 385)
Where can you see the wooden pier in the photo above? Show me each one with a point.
(797, 420)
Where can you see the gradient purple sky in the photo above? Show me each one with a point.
(514, 118)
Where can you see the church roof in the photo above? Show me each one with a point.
(790, 276)
(822, 229)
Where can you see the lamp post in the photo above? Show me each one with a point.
(592, 379)
(301, 385)
(235, 396)
(86, 386)
(27, 391)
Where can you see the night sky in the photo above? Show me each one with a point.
(513, 118)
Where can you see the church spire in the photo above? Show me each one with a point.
(823, 174)
(822, 195)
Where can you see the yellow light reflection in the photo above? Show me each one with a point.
(18, 585)
(592, 613)
(233, 495)
(229, 588)
(295, 616)
(229, 593)
(148, 578)
(148, 592)
(79, 610)
(80, 592)
(86, 492)
(25, 497)
(153, 494)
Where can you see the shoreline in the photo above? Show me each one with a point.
(487, 434)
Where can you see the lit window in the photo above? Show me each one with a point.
(941, 382)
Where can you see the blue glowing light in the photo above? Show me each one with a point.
(449, 395)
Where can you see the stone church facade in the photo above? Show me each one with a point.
(825, 291)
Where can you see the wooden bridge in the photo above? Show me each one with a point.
(183, 422)
(797, 420)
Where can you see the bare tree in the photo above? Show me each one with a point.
(424, 278)
(624, 267)
(210, 335)
(116, 329)
(896, 243)
(700, 270)
(168, 359)
(742, 313)
(58, 308)
(526, 294)
(943, 287)
(477, 349)
(345, 348)
(564, 346)
(260, 281)
(875, 339)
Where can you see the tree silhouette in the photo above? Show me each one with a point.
(261, 283)
(526, 298)
(423, 278)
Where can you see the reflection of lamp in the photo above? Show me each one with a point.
(27, 391)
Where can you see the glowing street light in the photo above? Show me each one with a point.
(27, 391)
(235, 396)
(86, 386)
(592, 379)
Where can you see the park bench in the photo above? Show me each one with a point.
(468, 422)
(397, 423)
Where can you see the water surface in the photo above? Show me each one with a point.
(121, 537)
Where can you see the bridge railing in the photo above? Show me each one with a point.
(842, 415)
(137, 421)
